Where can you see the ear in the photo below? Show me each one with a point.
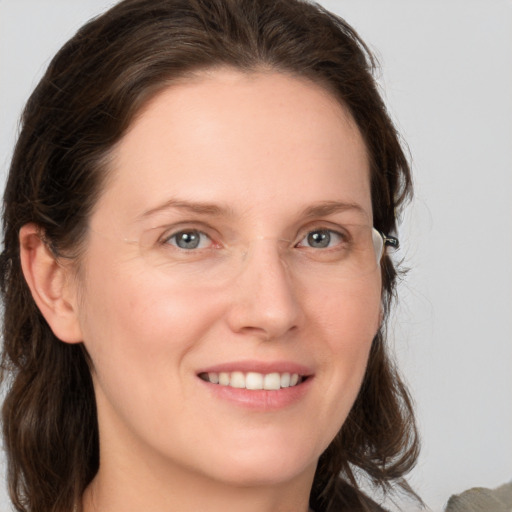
(51, 283)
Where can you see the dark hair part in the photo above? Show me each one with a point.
(81, 108)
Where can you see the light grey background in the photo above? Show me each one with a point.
(447, 78)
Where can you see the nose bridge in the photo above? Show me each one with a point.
(262, 246)
(267, 256)
(265, 298)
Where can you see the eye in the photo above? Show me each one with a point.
(321, 239)
(189, 239)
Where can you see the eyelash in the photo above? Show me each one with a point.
(174, 236)
(342, 238)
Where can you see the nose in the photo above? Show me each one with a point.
(264, 302)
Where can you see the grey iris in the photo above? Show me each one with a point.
(188, 239)
(319, 239)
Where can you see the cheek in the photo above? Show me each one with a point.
(144, 316)
(137, 322)
(348, 319)
(349, 312)
(140, 332)
(358, 321)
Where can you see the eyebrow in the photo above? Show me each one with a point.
(325, 208)
(193, 207)
(320, 209)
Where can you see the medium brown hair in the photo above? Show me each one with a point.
(81, 108)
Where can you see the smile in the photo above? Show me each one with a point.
(253, 380)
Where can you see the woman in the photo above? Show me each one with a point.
(195, 274)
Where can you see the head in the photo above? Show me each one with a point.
(77, 128)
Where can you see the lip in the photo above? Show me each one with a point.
(259, 400)
(259, 367)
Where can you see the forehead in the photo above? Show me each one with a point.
(248, 140)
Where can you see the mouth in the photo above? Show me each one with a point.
(258, 385)
(273, 381)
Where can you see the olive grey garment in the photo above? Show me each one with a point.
(480, 499)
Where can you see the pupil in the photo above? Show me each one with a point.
(319, 239)
(189, 240)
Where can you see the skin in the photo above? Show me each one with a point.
(264, 147)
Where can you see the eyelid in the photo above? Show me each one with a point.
(200, 227)
(168, 231)
(322, 226)
(333, 246)
(174, 237)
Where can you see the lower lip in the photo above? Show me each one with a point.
(261, 399)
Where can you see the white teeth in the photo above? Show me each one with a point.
(272, 381)
(285, 380)
(253, 380)
(237, 380)
(223, 378)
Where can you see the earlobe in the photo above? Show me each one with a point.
(50, 283)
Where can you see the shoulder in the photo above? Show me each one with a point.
(480, 499)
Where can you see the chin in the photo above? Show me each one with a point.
(270, 472)
(262, 464)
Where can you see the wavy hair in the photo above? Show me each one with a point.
(81, 108)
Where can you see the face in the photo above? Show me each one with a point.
(212, 255)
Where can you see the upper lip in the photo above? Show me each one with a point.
(263, 367)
